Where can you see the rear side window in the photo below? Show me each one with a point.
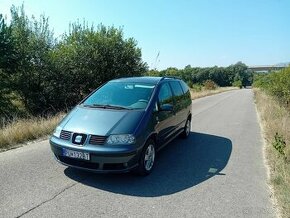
(184, 87)
(177, 90)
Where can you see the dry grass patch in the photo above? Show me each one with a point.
(203, 93)
(24, 130)
(276, 120)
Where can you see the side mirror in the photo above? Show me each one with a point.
(166, 107)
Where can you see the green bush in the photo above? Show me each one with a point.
(238, 83)
(276, 84)
(279, 143)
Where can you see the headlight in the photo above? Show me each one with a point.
(121, 139)
(57, 131)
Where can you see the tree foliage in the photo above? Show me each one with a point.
(87, 58)
(7, 63)
(32, 41)
(276, 83)
(222, 76)
(51, 75)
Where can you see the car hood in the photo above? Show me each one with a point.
(97, 121)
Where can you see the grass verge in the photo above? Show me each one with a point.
(203, 93)
(24, 130)
(275, 120)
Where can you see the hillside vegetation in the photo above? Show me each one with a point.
(273, 98)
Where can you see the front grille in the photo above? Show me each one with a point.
(97, 140)
(65, 135)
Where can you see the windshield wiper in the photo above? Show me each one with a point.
(93, 105)
(115, 107)
(107, 106)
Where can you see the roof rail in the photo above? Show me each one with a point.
(170, 77)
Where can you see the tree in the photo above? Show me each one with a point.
(86, 58)
(242, 74)
(7, 63)
(33, 41)
(50, 76)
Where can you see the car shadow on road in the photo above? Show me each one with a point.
(180, 165)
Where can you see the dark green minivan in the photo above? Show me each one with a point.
(120, 126)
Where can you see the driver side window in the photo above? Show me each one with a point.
(165, 95)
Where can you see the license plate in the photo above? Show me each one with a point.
(75, 154)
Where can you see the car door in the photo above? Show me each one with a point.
(165, 118)
(179, 106)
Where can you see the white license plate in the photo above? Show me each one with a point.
(75, 154)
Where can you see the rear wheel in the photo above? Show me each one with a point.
(147, 159)
(186, 131)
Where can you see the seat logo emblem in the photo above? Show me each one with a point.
(78, 139)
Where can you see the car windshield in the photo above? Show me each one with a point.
(121, 95)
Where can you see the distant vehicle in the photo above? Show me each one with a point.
(120, 126)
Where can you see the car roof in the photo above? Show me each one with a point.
(143, 79)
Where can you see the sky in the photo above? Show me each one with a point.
(200, 33)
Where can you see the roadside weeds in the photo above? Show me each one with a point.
(275, 119)
(23, 130)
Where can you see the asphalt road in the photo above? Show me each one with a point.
(217, 172)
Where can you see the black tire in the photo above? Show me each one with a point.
(144, 167)
(186, 129)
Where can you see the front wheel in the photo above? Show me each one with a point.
(147, 159)
(186, 131)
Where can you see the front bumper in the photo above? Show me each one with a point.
(103, 158)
